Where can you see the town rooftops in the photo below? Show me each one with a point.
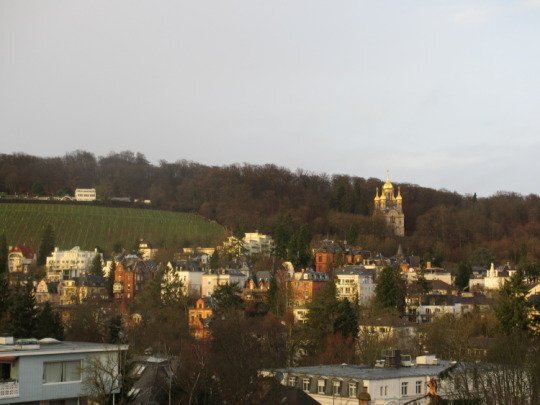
(353, 270)
(367, 373)
(10, 347)
(24, 250)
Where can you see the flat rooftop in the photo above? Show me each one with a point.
(43, 349)
(368, 373)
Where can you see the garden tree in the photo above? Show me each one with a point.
(214, 260)
(512, 306)
(22, 312)
(3, 255)
(227, 297)
(163, 324)
(463, 274)
(346, 319)
(110, 279)
(46, 246)
(104, 374)
(88, 322)
(422, 282)
(282, 232)
(391, 289)
(277, 293)
(235, 340)
(298, 249)
(37, 189)
(5, 300)
(481, 256)
(508, 375)
(96, 266)
(322, 313)
(115, 329)
(49, 324)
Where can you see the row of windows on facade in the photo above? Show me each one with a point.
(61, 371)
(352, 391)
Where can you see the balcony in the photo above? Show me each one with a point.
(9, 389)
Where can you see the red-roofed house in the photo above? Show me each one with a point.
(20, 258)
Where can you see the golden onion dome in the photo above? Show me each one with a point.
(399, 197)
(388, 185)
(377, 198)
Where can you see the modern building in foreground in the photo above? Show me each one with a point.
(52, 372)
(391, 384)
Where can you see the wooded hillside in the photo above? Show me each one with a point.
(438, 223)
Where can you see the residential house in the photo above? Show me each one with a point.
(436, 273)
(434, 306)
(147, 251)
(221, 277)
(49, 371)
(199, 316)
(256, 243)
(355, 283)
(130, 274)
(396, 383)
(303, 286)
(386, 326)
(66, 264)
(20, 258)
(152, 379)
(256, 287)
(183, 274)
(47, 292)
(85, 194)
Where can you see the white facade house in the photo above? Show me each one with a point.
(355, 283)
(496, 278)
(20, 258)
(258, 243)
(435, 273)
(85, 194)
(66, 264)
(49, 371)
(221, 277)
(191, 280)
(341, 384)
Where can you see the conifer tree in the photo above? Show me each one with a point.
(512, 308)
(96, 266)
(390, 289)
(463, 274)
(3, 255)
(46, 246)
(22, 312)
(49, 324)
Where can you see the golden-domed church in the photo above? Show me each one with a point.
(391, 207)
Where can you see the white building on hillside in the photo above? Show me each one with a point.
(355, 282)
(341, 384)
(85, 194)
(66, 264)
(221, 277)
(258, 243)
(495, 278)
(190, 279)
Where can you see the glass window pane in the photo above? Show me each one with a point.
(52, 372)
(72, 371)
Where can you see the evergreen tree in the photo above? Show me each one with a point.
(422, 282)
(115, 329)
(282, 233)
(22, 312)
(214, 260)
(463, 274)
(5, 299)
(96, 266)
(512, 307)
(227, 296)
(49, 324)
(46, 246)
(3, 255)
(299, 251)
(321, 316)
(110, 279)
(346, 321)
(390, 289)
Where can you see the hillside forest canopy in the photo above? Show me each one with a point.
(440, 225)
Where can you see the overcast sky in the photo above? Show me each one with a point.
(444, 94)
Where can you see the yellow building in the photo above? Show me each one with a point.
(390, 206)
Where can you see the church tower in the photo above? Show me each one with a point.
(390, 206)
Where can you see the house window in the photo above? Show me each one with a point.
(352, 390)
(292, 381)
(419, 387)
(335, 387)
(305, 384)
(404, 388)
(320, 387)
(61, 371)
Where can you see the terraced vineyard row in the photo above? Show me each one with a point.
(89, 226)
